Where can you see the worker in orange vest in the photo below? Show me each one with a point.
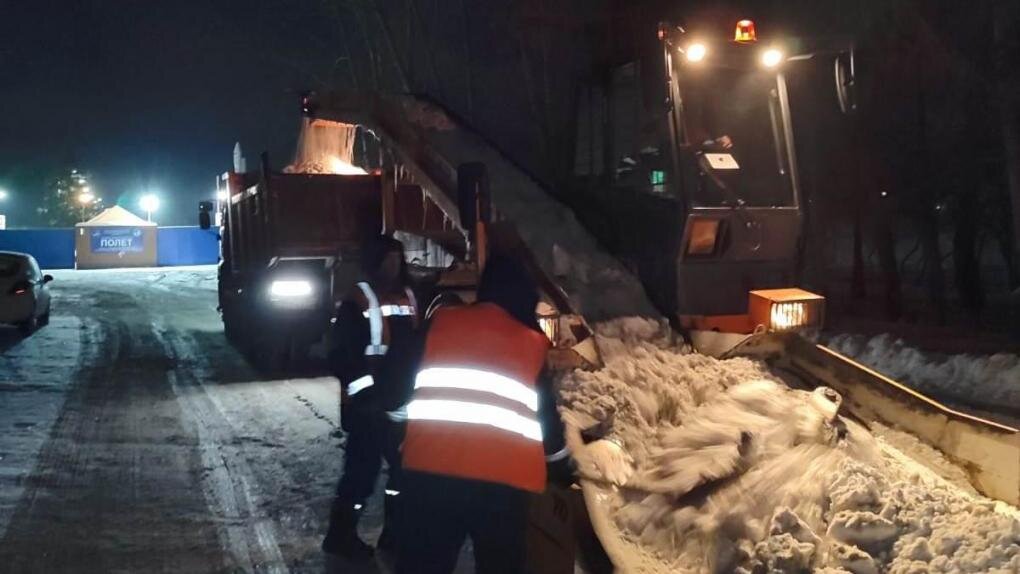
(374, 321)
(482, 426)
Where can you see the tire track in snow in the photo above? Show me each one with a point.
(36, 375)
(227, 485)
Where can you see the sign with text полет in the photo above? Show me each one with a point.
(117, 240)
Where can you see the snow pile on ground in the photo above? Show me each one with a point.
(736, 472)
(981, 381)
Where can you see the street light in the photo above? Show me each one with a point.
(3, 218)
(85, 198)
(149, 203)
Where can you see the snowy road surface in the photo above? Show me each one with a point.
(135, 439)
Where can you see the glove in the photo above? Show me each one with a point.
(605, 461)
(562, 473)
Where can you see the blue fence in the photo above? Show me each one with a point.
(54, 248)
(186, 246)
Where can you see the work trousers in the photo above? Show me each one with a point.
(441, 512)
(372, 437)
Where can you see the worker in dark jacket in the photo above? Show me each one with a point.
(379, 315)
(481, 429)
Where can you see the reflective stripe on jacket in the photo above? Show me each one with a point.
(377, 312)
(474, 410)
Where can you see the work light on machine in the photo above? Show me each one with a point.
(786, 310)
(695, 52)
(772, 57)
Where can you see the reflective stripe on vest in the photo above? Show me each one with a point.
(477, 380)
(474, 414)
(474, 411)
(375, 314)
(391, 310)
(447, 403)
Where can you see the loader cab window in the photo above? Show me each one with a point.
(734, 136)
(637, 143)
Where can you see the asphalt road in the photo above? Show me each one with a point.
(133, 438)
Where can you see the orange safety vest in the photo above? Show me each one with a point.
(474, 411)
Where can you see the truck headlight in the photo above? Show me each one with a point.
(290, 289)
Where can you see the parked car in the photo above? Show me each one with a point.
(24, 292)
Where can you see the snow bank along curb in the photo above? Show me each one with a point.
(984, 381)
(736, 472)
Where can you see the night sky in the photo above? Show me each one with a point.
(148, 95)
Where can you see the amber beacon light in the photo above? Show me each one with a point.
(745, 32)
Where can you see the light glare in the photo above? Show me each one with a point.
(149, 203)
(696, 52)
(786, 316)
(291, 288)
(771, 58)
(341, 167)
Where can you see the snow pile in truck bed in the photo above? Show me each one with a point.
(989, 381)
(736, 472)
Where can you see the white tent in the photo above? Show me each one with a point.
(116, 216)
(115, 238)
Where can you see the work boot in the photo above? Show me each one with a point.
(391, 525)
(342, 536)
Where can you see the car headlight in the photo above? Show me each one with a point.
(290, 289)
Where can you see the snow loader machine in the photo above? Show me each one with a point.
(701, 199)
(699, 204)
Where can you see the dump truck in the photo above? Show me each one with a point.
(290, 246)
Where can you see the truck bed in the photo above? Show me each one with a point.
(300, 216)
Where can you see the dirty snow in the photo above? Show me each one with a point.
(991, 381)
(736, 472)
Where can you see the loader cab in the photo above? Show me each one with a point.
(687, 170)
(732, 138)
